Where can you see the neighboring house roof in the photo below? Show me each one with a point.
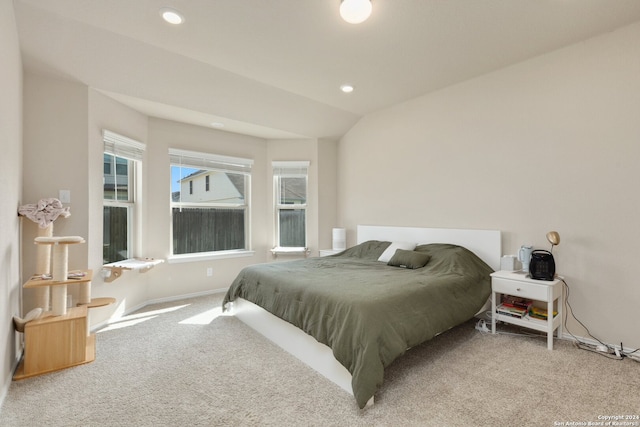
(229, 185)
(238, 182)
(295, 190)
(295, 193)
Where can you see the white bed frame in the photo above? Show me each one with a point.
(486, 244)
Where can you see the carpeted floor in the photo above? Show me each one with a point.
(183, 363)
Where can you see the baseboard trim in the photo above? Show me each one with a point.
(5, 387)
(184, 296)
(591, 341)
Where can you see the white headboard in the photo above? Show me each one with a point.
(486, 244)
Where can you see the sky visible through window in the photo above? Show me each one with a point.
(177, 173)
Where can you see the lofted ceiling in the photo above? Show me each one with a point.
(273, 68)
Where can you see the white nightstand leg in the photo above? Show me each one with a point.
(560, 311)
(550, 324)
(493, 312)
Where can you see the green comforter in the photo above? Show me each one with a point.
(367, 312)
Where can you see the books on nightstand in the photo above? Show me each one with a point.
(540, 313)
(511, 311)
(514, 306)
(522, 308)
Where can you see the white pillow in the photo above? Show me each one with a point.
(393, 247)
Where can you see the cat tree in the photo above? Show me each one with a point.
(59, 338)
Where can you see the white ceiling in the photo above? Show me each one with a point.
(272, 68)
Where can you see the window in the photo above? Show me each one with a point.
(290, 183)
(122, 157)
(209, 202)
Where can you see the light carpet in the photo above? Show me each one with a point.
(182, 363)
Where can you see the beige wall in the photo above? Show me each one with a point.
(327, 191)
(11, 185)
(548, 144)
(55, 158)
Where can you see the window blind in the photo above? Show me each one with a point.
(290, 168)
(210, 161)
(121, 146)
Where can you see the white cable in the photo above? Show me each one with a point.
(482, 326)
(596, 349)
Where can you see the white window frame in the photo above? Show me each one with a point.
(289, 169)
(123, 147)
(218, 163)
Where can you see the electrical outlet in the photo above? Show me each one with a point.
(64, 196)
(209, 272)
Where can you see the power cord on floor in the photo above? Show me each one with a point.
(482, 326)
(601, 348)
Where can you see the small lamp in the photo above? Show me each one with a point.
(339, 239)
(554, 238)
(355, 11)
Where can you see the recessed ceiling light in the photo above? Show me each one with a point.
(172, 16)
(347, 88)
(217, 125)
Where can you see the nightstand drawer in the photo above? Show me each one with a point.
(520, 289)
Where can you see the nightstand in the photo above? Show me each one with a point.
(520, 285)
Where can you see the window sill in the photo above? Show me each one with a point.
(176, 259)
(289, 251)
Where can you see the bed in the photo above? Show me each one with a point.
(350, 315)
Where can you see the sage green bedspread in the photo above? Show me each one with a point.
(367, 312)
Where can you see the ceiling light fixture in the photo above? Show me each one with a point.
(355, 11)
(347, 88)
(172, 16)
(217, 125)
